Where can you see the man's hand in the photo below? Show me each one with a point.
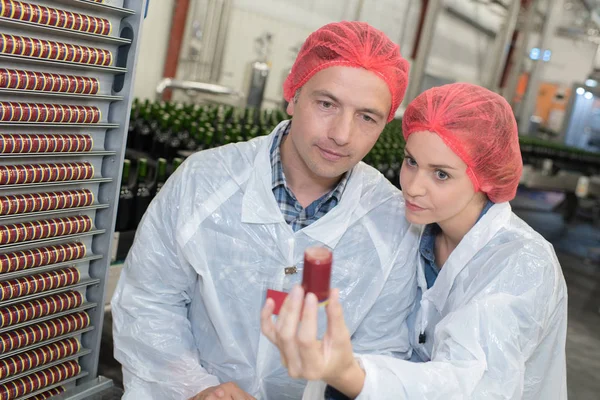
(225, 391)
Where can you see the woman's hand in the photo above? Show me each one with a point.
(295, 334)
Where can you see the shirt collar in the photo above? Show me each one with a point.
(277, 167)
(427, 244)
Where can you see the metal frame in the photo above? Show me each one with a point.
(434, 7)
(570, 116)
(500, 47)
(110, 137)
(498, 54)
(529, 101)
(201, 87)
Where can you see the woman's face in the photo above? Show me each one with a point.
(434, 181)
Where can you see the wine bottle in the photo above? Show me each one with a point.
(124, 211)
(142, 195)
(161, 175)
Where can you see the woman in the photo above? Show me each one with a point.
(490, 317)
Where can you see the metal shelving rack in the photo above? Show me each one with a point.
(31, 247)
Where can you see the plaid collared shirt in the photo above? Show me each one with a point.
(291, 209)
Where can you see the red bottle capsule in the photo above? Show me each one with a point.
(78, 23)
(6, 43)
(19, 45)
(36, 14)
(93, 55)
(6, 8)
(43, 48)
(86, 23)
(30, 48)
(94, 25)
(47, 17)
(58, 51)
(28, 12)
(17, 11)
(78, 55)
(27, 80)
(70, 20)
(316, 277)
(6, 78)
(71, 53)
(61, 20)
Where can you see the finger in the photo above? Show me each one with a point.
(290, 309)
(310, 354)
(266, 321)
(336, 326)
(228, 396)
(287, 328)
(239, 394)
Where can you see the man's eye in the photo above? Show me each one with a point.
(326, 104)
(366, 118)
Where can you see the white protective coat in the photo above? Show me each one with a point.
(495, 323)
(187, 307)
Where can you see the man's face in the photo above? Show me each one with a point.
(338, 116)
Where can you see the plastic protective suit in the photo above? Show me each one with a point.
(187, 307)
(494, 323)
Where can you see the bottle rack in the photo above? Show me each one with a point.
(66, 76)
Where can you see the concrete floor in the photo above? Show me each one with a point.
(583, 335)
(582, 273)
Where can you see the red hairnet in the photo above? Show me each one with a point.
(351, 44)
(478, 126)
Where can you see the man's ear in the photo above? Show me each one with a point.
(290, 107)
(292, 103)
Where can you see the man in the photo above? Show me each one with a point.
(234, 221)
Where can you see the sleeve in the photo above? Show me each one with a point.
(152, 334)
(479, 352)
(384, 329)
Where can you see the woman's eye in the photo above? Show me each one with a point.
(441, 175)
(410, 161)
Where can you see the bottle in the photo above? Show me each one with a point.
(174, 144)
(143, 195)
(124, 211)
(161, 138)
(192, 141)
(133, 122)
(161, 175)
(176, 163)
(143, 138)
(316, 275)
